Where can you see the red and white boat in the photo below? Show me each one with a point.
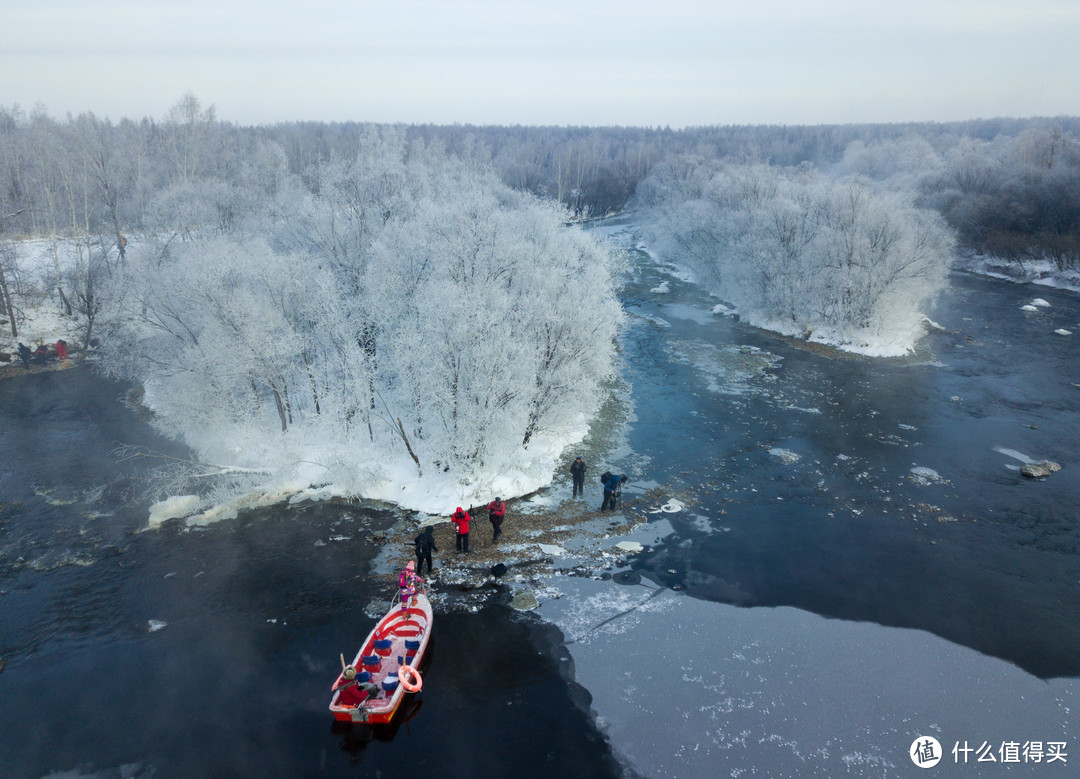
(386, 665)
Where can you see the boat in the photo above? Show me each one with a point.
(371, 688)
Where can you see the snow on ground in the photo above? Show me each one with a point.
(1042, 272)
(690, 688)
(41, 320)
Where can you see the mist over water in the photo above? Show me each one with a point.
(870, 489)
(875, 492)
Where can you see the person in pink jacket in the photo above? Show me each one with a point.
(461, 520)
(496, 512)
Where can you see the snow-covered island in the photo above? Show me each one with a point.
(395, 320)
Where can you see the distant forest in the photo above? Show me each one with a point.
(1008, 187)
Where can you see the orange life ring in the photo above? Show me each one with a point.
(410, 678)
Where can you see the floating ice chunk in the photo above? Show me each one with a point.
(171, 508)
(1063, 331)
(1014, 454)
(1028, 308)
(923, 475)
(720, 308)
(786, 455)
(629, 546)
(662, 289)
(1040, 302)
(551, 549)
(672, 507)
(155, 624)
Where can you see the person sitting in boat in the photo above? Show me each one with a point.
(352, 689)
(408, 583)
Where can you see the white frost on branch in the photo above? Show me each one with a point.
(409, 329)
(834, 261)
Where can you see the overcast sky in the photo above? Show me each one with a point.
(579, 62)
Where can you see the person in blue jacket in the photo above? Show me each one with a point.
(612, 489)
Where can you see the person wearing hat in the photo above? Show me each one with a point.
(408, 583)
(352, 690)
(496, 512)
(461, 520)
(577, 470)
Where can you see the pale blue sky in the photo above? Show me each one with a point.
(677, 62)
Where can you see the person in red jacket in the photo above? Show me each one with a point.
(355, 690)
(461, 520)
(496, 512)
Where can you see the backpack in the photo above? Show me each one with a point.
(604, 477)
(422, 543)
(402, 581)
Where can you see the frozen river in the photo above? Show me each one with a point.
(885, 494)
(856, 562)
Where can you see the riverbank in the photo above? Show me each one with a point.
(14, 368)
(540, 538)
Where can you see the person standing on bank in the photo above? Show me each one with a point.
(577, 470)
(461, 520)
(496, 513)
(425, 545)
(25, 354)
(612, 489)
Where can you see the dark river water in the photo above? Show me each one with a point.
(884, 491)
(809, 461)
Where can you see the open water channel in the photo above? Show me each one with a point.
(857, 562)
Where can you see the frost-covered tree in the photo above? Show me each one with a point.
(406, 314)
(800, 253)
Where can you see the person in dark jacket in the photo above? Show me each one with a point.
(577, 470)
(25, 354)
(41, 354)
(612, 490)
(461, 520)
(496, 513)
(425, 545)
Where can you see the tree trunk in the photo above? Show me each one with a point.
(281, 411)
(5, 298)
